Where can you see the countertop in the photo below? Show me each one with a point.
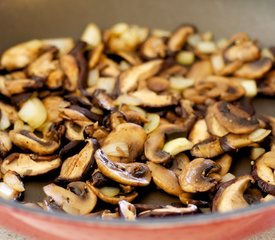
(7, 235)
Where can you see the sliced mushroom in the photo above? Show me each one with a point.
(8, 193)
(234, 119)
(130, 57)
(208, 148)
(74, 131)
(5, 144)
(230, 195)
(103, 100)
(21, 55)
(77, 199)
(191, 198)
(149, 98)
(127, 210)
(179, 162)
(165, 179)
(153, 147)
(200, 70)
(263, 172)
(179, 38)
(199, 132)
(169, 210)
(225, 162)
(128, 80)
(28, 140)
(133, 114)
(76, 167)
(255, 70)
(132, 174)
(153, 47)
(113, 195)
(198, 175)
(64, 45)
(95, 55)
(267, 86)
(10, 111)
(30, 164)
(123, 135)
(158, 84)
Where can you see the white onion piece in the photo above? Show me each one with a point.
(6, 192)
(161, 33)
(227, 177)
(256, 153)
(139, 110)
(93, 77)
(109, 191)
(185, 57)
(249, 86)
(13, 181)
(181, 83)
(33, 112)
(177, 145)
(106, 83)
(92, 35)
(259, 135)
(222, 43)
(126, 99)
(206, 47)
(193, 40)
(267, 53)
(153, 122)
(4, 121)
(64, 45)
(217, 63)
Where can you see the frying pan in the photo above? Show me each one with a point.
(21, 20)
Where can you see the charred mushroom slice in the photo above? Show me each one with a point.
(113, 195)
(153, 147)
(211, 147)
(29, 164)
(179, 38)
(230, 195)
(128, 80)
(132, 174)
(121, 142)
(263, 172)
(77, 199)
(198, 176)
(234, 119)
(127, 210)
(149, 98)
(165, 179)
(254, 70)
(28, 140)
(74, 168)
(5, 144)
(21, 55)
(169, 211)
(153, 47)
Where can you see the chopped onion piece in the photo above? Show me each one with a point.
(181, 83)
(185, 57)
(126, 99)
(6, 192)
(109, 191)
(256, 153)
(106, 83)
(249, 86)
(64, 45)
(227, 177)
(259, 135)
(93, 77)
(217, 63)
(138, 110)
(92, 35)
(153, 122)
(177, 145)
(161, 33)
(4, 121)
(33, 112)
(222, 43)
(206, 47)
(193, 40)
(13, 181)
(267, 53)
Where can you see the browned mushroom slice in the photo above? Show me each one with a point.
(8, 193)
(151, 99)
(158, 84)
(128, 80)
(198, 175)
(208, 148)
(28, 140)
(95, 55)
(213, 125)
(198, 132)
(134, 114)
(74, 168)
(153, 147)
(77, 199)
(263, 172)
(130, 57)
(21, 55)
(70, 68)
(225, 162)
(121, 142)
(10, 111)
(179, 38)
(113, 195)
(245, 51)
(191, 198)
(230, 194)
(74, 131)
(5, 144)
(234, 119)
(132, 174)
(103, 100)
(179, 162)
(29, 164)
(43, 65)
(200, 70)
(254, 70)
(169, 210)
(127, 210)
(153, 47)
(165, 179)
(267, 85)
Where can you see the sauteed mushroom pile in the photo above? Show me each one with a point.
(128, 110)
